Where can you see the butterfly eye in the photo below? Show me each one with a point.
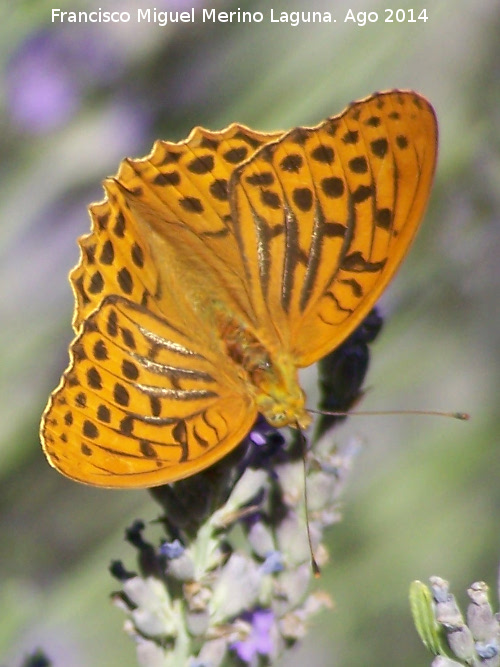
(278, 420)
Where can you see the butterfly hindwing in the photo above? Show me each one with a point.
(140, 403)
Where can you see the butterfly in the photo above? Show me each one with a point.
(218, 266)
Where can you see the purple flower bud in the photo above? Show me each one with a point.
(259, 641)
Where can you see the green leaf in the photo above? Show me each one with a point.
(429, 630)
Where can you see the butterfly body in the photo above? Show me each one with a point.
(271, 378)
(215, 269)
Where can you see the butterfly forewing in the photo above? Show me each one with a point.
(186, 185)
(335, 208)
(177, 186)
(115, 258)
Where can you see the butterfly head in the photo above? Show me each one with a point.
(279, 396)
(282, 414)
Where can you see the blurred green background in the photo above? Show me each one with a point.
(425, 494)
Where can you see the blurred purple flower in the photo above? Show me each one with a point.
(259, 640)
(41, 91)
(48, 74)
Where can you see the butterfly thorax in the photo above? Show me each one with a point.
(272, 379)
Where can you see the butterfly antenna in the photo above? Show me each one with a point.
(463, 416)
(314, 565)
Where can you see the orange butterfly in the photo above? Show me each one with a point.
(218, 266)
